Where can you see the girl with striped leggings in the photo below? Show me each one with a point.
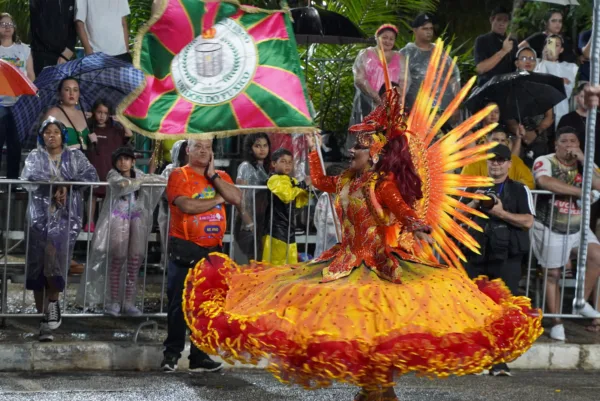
(119, 242)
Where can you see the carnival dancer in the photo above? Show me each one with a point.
(377, 305)
(120, 238)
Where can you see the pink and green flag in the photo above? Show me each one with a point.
(217, 68)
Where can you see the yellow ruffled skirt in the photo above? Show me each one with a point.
(360, 329)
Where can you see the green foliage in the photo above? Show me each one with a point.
(529, 19)
(463, 53)
(140, 13)
(19, 9)
(328, 68)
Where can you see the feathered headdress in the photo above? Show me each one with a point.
(434, 161)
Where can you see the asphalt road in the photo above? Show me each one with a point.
(257, 385)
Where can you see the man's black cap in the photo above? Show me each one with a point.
(500, 10)
(421, 20)
(501, 151)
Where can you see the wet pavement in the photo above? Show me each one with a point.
(106, 328)
(254, 385)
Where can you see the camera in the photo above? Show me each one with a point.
(489, 203)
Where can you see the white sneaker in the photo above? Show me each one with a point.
(588, 311)
(112, 309)
(45, 332)
(131, 310)
(558, 332)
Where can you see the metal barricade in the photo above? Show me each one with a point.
(536, 280)
(153, 305)
(17, 270)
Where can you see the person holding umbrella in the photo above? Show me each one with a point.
(71, 115)
(19, 55)
(67, 90)
(530, 133)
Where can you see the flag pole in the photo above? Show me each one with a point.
(588, 167)
(338, 227)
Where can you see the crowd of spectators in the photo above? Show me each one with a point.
(529, 150)
(544, 151)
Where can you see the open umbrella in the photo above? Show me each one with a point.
(519, 94)
(316, 25)
(99, 76)
(13, 82)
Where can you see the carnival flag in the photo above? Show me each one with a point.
(217, 68)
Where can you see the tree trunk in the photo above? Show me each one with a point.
(517, 5)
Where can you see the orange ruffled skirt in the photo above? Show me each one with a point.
(361, 329)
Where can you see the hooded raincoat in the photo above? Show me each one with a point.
(120, 239)
(163, 205)
(52, 228)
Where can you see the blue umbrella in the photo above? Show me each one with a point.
(99, 76)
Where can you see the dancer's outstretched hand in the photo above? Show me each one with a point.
(313, 140)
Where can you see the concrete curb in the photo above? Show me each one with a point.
(90, 355)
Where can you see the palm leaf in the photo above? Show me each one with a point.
(331, 83)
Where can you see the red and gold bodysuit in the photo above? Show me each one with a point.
(368, 207)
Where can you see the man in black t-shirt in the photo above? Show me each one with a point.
(495, 52)
(53, 36)
(578, 118)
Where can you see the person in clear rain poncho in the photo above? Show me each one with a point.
(179, 157)
(253, 171)
(54, 217)
(369, 76)
(418, 54)
(120, 238)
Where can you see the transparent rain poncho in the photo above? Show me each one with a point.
(418, 62)
(369, 79)
(251, 211)
(119, 242)
(52, 228)
(325, 224)
(163, 205)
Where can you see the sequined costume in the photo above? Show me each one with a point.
(379, 304)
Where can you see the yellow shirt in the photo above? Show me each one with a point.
(167, 145)
(518, 171)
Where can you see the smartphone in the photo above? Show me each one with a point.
(551, 47)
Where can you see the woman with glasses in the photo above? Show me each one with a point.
(18, 54)
(531, 133)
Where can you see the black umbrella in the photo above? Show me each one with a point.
(519, 94)
(316, 25)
